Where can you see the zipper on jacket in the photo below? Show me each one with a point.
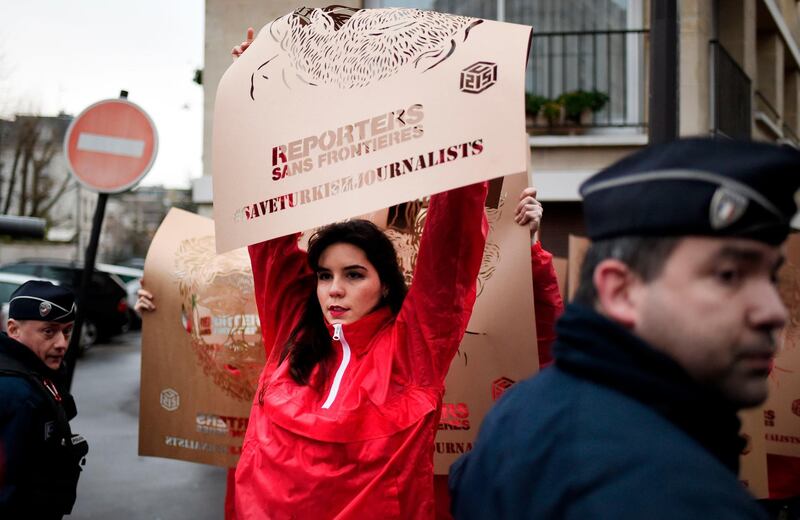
(338, 334)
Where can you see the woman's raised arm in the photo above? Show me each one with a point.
(439, 303)
(282, 284)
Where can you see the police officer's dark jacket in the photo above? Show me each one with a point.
(39, 457)
(615, 429)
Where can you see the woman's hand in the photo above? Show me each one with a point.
(144, 302)
(529, 210)
(239, 49)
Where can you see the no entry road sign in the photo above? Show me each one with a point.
(111, 145)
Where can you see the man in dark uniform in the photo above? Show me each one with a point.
(673, 330)
(40, 458)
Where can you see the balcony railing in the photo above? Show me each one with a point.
(790, 136)
(732, 99)
(612, 62)
(767, 114)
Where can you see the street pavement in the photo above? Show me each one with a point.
(117, 483)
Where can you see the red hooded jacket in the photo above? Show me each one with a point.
(357, 441)
(547, 301)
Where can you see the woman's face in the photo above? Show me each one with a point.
(348, 286)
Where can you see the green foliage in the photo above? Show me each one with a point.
(597, 100)
(576, 101)
(573, 103)
(534, 103)
(552, 111)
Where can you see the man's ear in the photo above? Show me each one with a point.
(12, 327)
(615, 284)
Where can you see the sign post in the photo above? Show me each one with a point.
(109, 147)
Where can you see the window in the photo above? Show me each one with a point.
(20, 268)
(6, 290)
(577, 45)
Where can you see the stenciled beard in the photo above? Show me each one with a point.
(349, 48)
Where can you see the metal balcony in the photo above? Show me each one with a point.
(613, 62)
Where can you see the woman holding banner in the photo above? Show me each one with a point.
(345, 415)
(348, 403)
(349, 400)
(387, 295)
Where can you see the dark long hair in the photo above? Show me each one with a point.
(309, 343)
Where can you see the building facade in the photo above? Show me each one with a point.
(133, 217)
(34, 179)
(739, 76)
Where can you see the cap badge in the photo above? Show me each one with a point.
(45, 308)
(726, 207)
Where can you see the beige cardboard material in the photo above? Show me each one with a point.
(577, 250)
(753, 461)
(499, 347)
(322, 119)
(201, 348)
(777, 422)
(782, 409)
(560, 266)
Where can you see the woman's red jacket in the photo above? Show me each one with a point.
(357, 442)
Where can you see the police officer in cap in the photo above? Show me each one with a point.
(40, 458)
(672, 331)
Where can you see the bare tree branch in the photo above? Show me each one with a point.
(33, 185)
(61, 190)
(12, 179)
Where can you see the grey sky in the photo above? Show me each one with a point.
(59, 55)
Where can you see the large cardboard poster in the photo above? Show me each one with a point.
(778, 424)
(577, 251)
(753, 460)
(338, 112)
(782, 409)
(202, 351)
(201, 348)
(499, 347)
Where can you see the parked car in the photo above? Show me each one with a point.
(132, 278)
(9, 282)
(106, 309)
(125, 273)
(136, 262)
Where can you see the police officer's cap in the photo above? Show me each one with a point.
(42, 301)
(696, 187)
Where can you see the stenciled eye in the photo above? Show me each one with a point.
(728, 276)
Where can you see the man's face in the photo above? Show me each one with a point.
(47, 339)
(715, 309)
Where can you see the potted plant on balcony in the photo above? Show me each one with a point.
(580, 105)
(533, 110)
(553, 112)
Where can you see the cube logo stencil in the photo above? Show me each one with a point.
(499, 386)
(170, 400)
(478, 77)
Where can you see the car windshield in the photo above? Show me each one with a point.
(6, 290)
